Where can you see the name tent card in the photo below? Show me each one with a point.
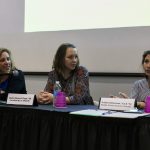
(120, 104)
(20, 99)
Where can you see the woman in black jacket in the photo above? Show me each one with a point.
(11, 79)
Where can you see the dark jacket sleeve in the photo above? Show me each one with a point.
(16, 84)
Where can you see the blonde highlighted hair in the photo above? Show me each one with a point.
(10, 55)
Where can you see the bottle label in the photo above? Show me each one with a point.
(55, 93)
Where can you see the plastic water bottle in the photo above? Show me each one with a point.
(57, 88)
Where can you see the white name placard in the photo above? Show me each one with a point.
(116, 104)
(20, 99)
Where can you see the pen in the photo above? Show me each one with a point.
(108, 112)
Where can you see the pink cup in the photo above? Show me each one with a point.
(147, 105)
(60, 100)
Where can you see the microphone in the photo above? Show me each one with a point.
(13, 72)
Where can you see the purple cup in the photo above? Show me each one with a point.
(60, 100)
(147, 105)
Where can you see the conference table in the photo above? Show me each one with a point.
(46, 128)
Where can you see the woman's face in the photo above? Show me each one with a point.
(71, 59)
(146, 65)
(5, 63)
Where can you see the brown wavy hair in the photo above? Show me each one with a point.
(58, 62)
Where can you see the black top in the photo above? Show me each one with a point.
(16, 84)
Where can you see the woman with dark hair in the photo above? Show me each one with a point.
(74, 79)
(141, 88)
(11, 79)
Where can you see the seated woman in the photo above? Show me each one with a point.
(141, 88)
(11, 79)
(74, 79)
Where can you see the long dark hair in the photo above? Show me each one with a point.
(58, 62)
(144, 55)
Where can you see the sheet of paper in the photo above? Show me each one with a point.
(105, 113)
(135, 110)
(126, 115)
(89, 112)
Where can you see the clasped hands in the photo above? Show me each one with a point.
(44, 97)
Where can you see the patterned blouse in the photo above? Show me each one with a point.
(140, 90)
(76, 87)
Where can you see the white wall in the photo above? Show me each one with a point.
(100, 50)
(11, 16)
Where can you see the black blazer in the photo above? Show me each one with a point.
(16, 84)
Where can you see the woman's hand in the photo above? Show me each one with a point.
(121, 95)
(44, 97)
(141, 105)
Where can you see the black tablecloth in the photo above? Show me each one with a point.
(46, 128)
